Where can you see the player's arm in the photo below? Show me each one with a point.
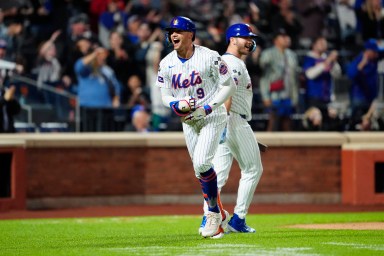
(228, 88)
(180, 107)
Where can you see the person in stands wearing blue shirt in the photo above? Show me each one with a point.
(364, 76)
(98, 91)
(320, 68)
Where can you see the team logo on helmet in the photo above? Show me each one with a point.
(175, 22)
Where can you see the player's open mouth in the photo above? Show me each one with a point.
(176, 41)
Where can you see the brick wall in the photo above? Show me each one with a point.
(72, 170)
(66, 172)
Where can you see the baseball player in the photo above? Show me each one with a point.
(195, 82)
(239, 141)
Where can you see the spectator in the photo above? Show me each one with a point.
(7, 67)
(347, 21)
(373, 120)
(259, 15)
(140, 120)
(98, 7)
(132, 27)
(113, 19)
(286, 18)
(9, 107)
(279, 82)
(135, 93)
(320, 68)
(83, 46)
(132, 98)
(14, 38)
(364, 76)
(160, 114)
(78, 29)
(48, 67)
(312, 119)
(119, 59)
(371, 19)
(141, 49)
(98, 91)
(49, 73)
(312, 15)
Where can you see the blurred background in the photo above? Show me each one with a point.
(91, 65)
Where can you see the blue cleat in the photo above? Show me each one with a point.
(239, 226)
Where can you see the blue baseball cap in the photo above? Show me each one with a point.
(371, 44)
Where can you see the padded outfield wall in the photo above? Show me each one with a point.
(86, 169)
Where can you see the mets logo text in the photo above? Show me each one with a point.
(194, 79)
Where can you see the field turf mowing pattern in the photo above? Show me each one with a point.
(178, 235)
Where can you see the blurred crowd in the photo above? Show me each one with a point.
(317, 67)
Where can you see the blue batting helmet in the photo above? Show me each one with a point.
(239, 30)
(182, 23)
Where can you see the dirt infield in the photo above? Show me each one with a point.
(147, 210)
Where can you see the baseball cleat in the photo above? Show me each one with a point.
(219, 234)
(212, 224)
(225, 220)
(223, 225)
(239, 226)
(203, 221)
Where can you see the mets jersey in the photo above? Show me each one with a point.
(242, 99)
(203, 73)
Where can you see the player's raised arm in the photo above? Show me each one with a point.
(227, 89)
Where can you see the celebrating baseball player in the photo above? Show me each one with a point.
(195, 82)
(239, 141)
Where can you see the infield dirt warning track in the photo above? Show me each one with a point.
(148, 210)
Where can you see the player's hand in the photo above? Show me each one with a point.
(9, 93)
(198, 114)
(191, 101)
(184, 107)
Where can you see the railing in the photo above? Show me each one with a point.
(51, 89)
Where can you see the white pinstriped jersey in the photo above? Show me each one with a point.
(242, 99)
(197, 72)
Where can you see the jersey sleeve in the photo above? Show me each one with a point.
(222, 70)
(163, 81)
(236, 72)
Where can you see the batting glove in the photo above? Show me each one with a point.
(198, 114)
(183, 107)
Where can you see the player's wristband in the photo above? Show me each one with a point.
(208, 109)
(174, 106)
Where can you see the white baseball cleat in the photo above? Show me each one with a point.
(212, 224)
(225, 221)
(223, 226)
(219, 234)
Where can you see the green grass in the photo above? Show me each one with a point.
(177, 235)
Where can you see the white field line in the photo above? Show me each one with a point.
(375, 247)
(216, 249)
